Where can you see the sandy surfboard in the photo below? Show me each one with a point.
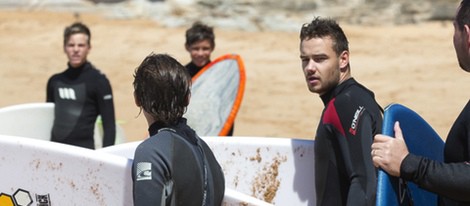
(258, 170)
(278, 171)
(44, 173)
(216, 95)
(38, 172)
(35, 120)
(421, 139)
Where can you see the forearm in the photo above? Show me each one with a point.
(109, 122)
(451, 180)
(109, 130)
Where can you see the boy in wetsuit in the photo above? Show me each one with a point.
(344, 173)
(173, 166)
(80, 94)
(200, 43)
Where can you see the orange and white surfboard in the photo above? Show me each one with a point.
(216, 95)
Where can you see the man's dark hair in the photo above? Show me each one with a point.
(463, 15)
(162, 88)
(325, 27)
(199, 32)
(76, 28)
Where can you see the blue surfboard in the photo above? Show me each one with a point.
(422, 140)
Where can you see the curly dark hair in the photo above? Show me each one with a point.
(325, 27)
(162, 88)
(199, 32)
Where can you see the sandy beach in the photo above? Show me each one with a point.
(414, 65)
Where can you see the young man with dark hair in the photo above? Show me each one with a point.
(80, 94)
(173, 166)
(344, 173)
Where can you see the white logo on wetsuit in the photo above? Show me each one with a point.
(107, 97)
(355, 120)
(143, 171)
(67, 93)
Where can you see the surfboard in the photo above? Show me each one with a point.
(38, 172)
(35, 120)
(278, 171)
(258, 170)
(44, 173)
(216, 95)
(422, 140)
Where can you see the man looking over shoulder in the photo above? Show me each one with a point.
(344, 173)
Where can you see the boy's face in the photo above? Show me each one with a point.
(200, 52)
(77, 49)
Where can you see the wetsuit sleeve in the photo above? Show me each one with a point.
(49, 91)
(106, 108)
(451, 180)
(151, 175)
(362, 173)
(355, 142)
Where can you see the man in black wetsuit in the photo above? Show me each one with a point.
(344, 173)
(451, 179)
(80, 94)
(173, 166)
(200, 43)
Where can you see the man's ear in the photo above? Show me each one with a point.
(187, 47)
(137, 102)
(344, 60)
(467, 33)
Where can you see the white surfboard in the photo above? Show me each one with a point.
(278, 171)
(35, 120)
(216, 95)
(259, 170)
(37, 172)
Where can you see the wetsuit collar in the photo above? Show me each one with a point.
(73, 73)
(181, 128)
(193, 69)
(338, 89)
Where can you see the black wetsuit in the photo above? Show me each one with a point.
(80, 95)
(344, 172)
(451, 180)
(193, 70)
(175, 167)
(448, 180)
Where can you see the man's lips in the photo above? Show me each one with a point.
(312, 80)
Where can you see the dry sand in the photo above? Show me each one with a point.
(414, 65)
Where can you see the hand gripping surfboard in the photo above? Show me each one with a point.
(422, 140)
